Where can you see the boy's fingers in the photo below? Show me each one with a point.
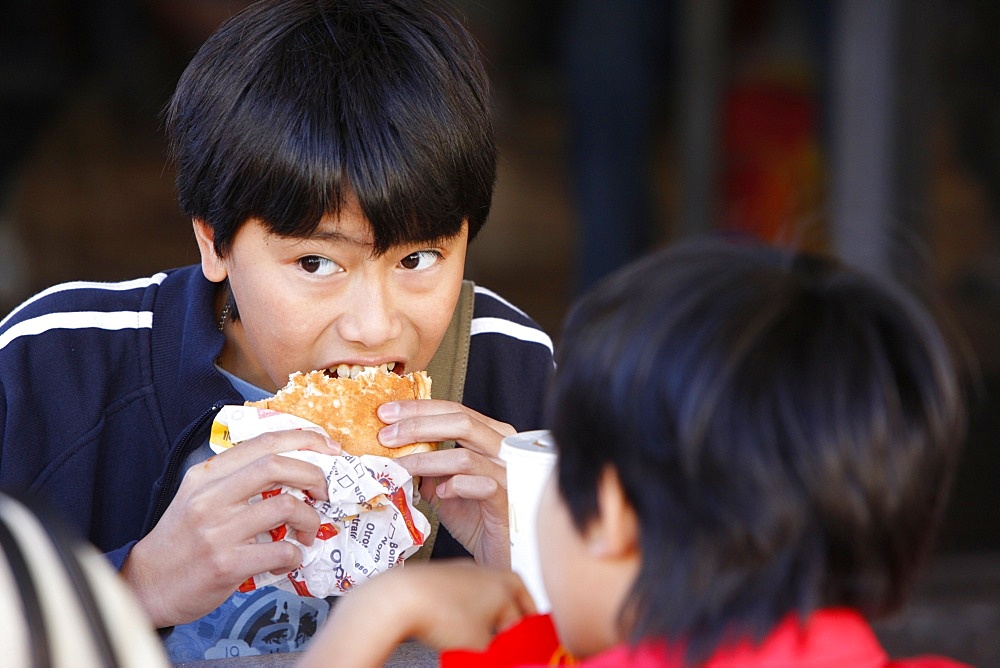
(463, 428)
(275, 442)
(454, 462)
(280, 510)
(277, 557)
(395, 411)
(240, 456)
(240, 478)
(472, 487)
(274, 470)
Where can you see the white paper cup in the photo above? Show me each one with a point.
(530, 457)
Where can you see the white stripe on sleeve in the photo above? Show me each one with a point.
(155, 279)
(112, 320)
(479, 290)
(512, 329)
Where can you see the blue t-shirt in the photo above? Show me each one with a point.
(263, 621)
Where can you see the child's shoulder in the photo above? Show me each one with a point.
(493, 314)
(492, 304)
(929, 661)
(65, 304)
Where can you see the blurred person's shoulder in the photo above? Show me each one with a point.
(928, 661)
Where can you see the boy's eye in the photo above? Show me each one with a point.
(320, 266)
(420, 260)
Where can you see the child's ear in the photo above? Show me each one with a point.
(211, 264)
(615, 533)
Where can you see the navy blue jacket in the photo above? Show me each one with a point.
(105, 387)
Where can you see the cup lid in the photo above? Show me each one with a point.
(539, 441)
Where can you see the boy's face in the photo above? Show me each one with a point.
(325, 301)
(587, 574)
(564, 557)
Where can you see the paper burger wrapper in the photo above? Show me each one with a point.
(369, 525)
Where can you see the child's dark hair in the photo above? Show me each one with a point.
(785, 427)
(294, 106)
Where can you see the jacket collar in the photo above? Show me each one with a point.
(186, 343)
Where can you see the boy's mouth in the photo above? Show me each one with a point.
(352, 370)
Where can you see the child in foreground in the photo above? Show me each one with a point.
(755, 448)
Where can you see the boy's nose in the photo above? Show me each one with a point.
(368, 318)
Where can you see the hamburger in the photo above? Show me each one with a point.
(345, 407)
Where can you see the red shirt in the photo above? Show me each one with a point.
(831, 639)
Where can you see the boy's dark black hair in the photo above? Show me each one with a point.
(294, 106)
(786, 429)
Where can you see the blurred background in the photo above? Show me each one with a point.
(866, 129)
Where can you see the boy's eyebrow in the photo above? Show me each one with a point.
(336, 235)
(330, 236)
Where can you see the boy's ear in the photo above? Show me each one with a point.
(615, 533)
(211, 264)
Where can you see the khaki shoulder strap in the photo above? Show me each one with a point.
(447, 372)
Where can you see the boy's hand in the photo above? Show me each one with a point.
(467, 484)
(205, 544)
(444, 604)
